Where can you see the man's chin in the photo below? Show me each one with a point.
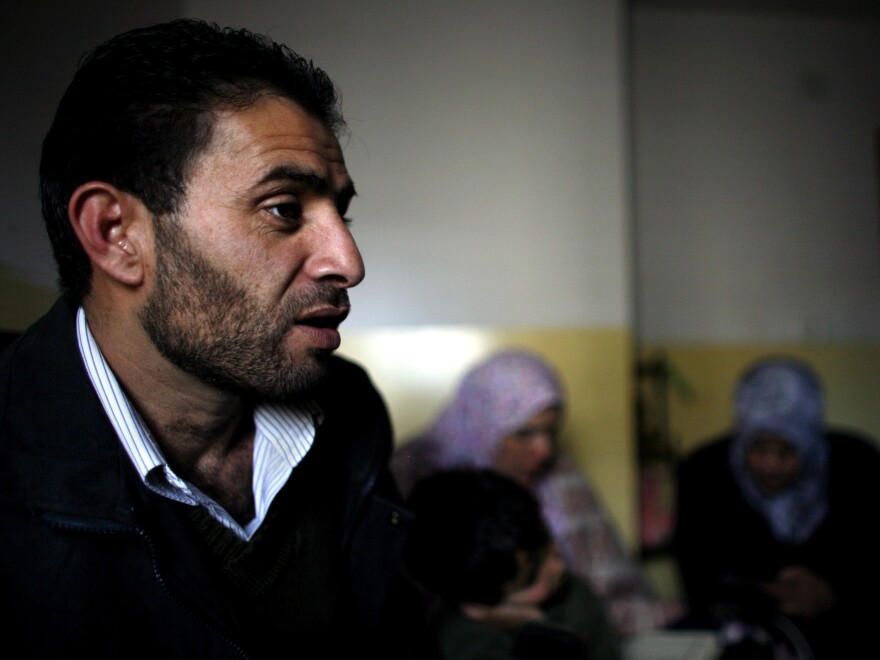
(302, 379)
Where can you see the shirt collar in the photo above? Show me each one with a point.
(284, 434)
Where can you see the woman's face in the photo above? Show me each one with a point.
(526, 454)
(773, 462)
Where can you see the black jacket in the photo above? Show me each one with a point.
(94, 565)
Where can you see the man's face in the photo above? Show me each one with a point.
(252, 272)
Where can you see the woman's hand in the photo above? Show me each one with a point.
(549, 577)
(506, 616)
(800, 592)
(523, 604)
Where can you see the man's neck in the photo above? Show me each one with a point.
(211, 447)
(206, 434)
(220, 464)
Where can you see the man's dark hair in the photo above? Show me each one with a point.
(469, 525)
(141, 108)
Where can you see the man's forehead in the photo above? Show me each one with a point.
(274, 128)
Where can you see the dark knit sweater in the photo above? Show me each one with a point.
(286, 578)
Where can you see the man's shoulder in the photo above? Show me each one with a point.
(46, 332)
(346, 380)
(350, 399)
(345, 369)
(41, 357)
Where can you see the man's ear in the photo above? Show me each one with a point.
(112, 227)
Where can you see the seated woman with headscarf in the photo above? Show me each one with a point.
(776, 520)
(505, 416)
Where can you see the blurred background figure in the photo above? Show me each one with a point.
(480, 546)
(506, 415)
(776, 521)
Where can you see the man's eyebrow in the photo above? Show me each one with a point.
(309, 180)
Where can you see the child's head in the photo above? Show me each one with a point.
(478, 536)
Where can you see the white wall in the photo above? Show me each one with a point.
(756, 139)
(488, 147)
(489, 144)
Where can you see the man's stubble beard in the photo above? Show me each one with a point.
(209, 326)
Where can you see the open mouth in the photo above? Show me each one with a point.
(321, 327)
(326, 318)
(321, 322)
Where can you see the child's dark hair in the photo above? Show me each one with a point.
(469, 526)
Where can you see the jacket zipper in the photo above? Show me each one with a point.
(111, 527)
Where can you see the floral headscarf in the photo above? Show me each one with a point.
(784, 397)
(494, 399)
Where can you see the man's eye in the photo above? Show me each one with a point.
(289, 211)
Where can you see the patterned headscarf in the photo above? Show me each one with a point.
(784, 397)
(495, 398)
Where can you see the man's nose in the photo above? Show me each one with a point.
(334, 254)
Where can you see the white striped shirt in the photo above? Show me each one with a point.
(284, 434)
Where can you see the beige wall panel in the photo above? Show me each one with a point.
(850, 374)
(21, 304)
